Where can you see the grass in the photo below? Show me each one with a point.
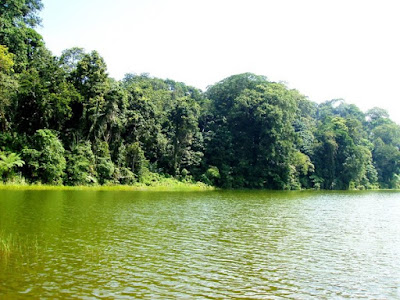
(7, 246)
(167, 184)
(12, 246)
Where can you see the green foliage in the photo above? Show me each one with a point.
(343, 155)
(17, 20)
(387, 163)
(252, 142)
(124, 176)
(243, 132)
(226, 91)
(135, 160)
(384, 135)
(6, 60)
(70, 58)
(80, 165)
(44, 97)
(376, 116)
(90, 76)
(14, 12)
(301, 168)
(103, 163)
(45, 161)
(211, 176)
(8, 162)
(8, 85)
(181, 128)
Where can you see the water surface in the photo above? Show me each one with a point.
(203, 245)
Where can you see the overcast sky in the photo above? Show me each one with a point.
(325, 49)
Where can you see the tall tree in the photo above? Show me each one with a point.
(17, 20)
(8, 85)
(181, 130)
(251, 117)
(91, 80)
(386, 153)
(44, 97)
(45, 161)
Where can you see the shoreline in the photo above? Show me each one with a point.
(181, 186)
(138, 187)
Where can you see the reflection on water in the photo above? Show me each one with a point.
(200, 245)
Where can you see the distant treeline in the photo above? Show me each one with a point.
(63, 120)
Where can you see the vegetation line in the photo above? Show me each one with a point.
(136, 187)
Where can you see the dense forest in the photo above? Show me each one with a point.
(63, 120)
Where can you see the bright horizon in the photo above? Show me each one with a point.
(326, 50)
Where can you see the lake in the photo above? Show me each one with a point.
(202, 245)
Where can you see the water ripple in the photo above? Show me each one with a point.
(220, 245)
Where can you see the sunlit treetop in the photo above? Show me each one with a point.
(15, 12)
(6, 59)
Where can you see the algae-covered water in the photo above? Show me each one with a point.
(202, 245)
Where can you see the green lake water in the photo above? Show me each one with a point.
(202, 245)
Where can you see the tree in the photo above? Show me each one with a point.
(8, 162)
(80, 165)
(181, 131)
(6, 59)
(162, 117)
(91, 81)
(45, 160)
(15, 12)
(250, 136)
(104, 165)
(44, 97)
(226, 91)
(215, 124)
(17, 20)
(70, 58)
(376, 116)
(149, 99)
(301, 169)
(386, 154)
(342, 159)
(263, 136)
(8, 84)
(136, 160)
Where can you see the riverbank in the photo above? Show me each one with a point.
(165, 185)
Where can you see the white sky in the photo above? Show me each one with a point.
(325, 49)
